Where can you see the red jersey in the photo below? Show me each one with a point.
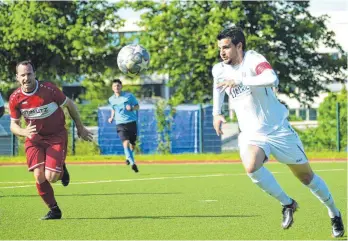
(42, 108)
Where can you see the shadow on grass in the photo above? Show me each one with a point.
(165, 217)
(92, 194)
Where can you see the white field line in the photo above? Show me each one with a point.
(155, 178)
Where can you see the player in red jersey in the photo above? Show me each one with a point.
(40, 103)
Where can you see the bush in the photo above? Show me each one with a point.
(324, 136)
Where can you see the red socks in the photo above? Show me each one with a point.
(45, 190)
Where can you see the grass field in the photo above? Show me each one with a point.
(225, 156)
(162, 202)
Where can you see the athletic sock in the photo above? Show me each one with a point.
(266, 181)
(129, 155)
(319, 189)
(45, 190)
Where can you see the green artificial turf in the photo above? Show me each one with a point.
(166, 202)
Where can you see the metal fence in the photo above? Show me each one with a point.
(192, 132)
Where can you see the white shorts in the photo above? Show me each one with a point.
(283, 143)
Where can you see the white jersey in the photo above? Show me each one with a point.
(1, 101)
(257, 108)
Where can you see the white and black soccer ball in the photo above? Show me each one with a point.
(133, 59)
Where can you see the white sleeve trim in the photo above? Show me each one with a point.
(66, 99)
(267, 78)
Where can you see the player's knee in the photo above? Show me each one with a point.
(39, 174)
(125, 144)
(251, 168)
(39, 177)
(51, 177)
(306, 178)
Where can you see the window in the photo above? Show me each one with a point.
(312, 114)
(303, 114)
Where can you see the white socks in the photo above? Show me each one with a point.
(265, 180)
(321, 191)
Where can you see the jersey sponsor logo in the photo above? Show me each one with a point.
(40, 112)
(239, 91)
(262, 67)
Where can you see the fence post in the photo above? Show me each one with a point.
(338, 138)
(13, 144)
(73, 138)
(200, 128)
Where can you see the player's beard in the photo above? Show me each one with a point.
(227, 61)
(29, 86)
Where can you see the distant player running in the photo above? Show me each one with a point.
(248, 78)
(40, 103)
(124, 106)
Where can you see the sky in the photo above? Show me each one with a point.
(336, 9)
(338, 12)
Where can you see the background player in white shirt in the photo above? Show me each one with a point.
(2, 107)
(248, 78)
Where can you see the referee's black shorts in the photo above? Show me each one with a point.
(127, 131)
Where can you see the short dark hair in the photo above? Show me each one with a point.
(235, 34)
(25, 62)
(117, 81)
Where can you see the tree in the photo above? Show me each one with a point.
(64, 40)
(324, 136)
(181, 37)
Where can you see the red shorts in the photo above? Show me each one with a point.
(49, 151)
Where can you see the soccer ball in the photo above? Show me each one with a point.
(133, 59)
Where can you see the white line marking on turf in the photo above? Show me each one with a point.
(209, 200)
(16, 182)
(162, 178)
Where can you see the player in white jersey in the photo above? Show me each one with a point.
(247, 78)
(2, 108)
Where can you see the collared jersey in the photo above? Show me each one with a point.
(118, 104)
(42, 108)
(257, 108)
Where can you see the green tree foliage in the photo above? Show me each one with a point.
(64, 39)
(324, 136)
(181, 37)
(164, 122)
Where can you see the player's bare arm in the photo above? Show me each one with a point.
(82, 132)
(217, 122)
(112, 116)
(26, 132)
